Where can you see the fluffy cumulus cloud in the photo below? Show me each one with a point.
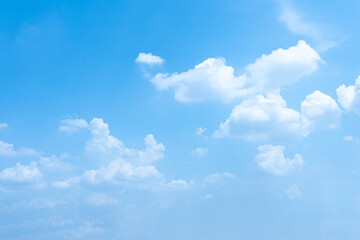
(21, 174)
(321, 110)
(282, 67)
(271, 159)
(209, 80)
(72, 125)
(199, 152)
(148, 58)
(7, 149)
(119, 170)
(101, 140)
(349, 96)
(218, 178)
(110, 147)
(214, 80)
(122, 165)
(264, 117)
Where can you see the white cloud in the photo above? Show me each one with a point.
(66, 183)
(219, 178)
(199, 152)
(349, 97)
(282, 67)
(53, 163)
(293, 192)
(179, 184)
(3, 125)
(148, 58)
(199, 131)
(321, 110)
(208, 196)
(271, 159)
(101, 140)
(21, 174)
(209, 80)
(261, 118)
(110, 147)
(35, 203)
(7, 149)
(350, 139)
(295, 22)
(119, 164)
(73, 125)
(119, 170)
(214, 80)
(101, 199)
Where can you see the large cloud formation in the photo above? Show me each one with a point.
(214, 80)
(265, 117)
(119, 164)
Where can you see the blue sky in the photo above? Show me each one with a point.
(179, 120)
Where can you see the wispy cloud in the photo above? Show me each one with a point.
(293, 192)
(3, 125)
(7, 149)
(72, 125)
(298, 25)
(199, 152)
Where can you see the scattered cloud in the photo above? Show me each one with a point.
(68, 183)
(293, 192)
(271, 159)
(148, 58)
(35, 203)
(199, 131)
(199, 152)
(350, 139)
(102, 142)
(119, 170)
(213, 80)
(72, 125)
(179, 184)
(349, 97)
(21, 174)
(99, 199)
(53, 163)
(3, 125)
(218, 178)
(7, 149)
(122, 165)
(208, 196)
